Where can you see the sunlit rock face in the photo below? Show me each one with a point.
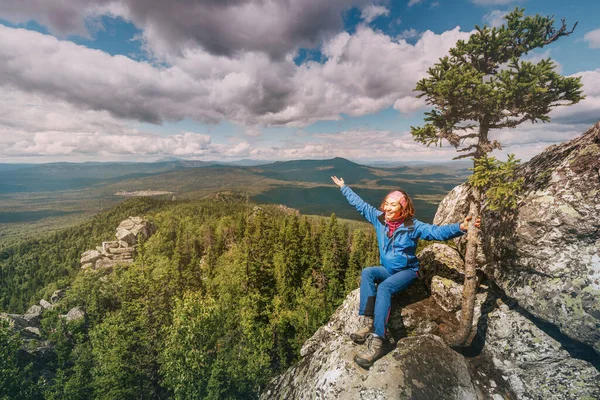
(419, 367)
(511, 356)
(546, 254)
(122, 250)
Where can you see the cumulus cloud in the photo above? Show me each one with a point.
(371, 12)
(362, 145)
(170, 27)
(35, 125)
(363, 73)
(409, 104)
(408, 34)
(587, 111)
(593, 39)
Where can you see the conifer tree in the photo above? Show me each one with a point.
(482, 87)
(356, 262)
(288, 259)
(334, 251)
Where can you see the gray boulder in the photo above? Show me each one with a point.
(126, 236)
(439, 259)
(546, 254)
(75, 313)
(46, 305)
(90, 256)
(446, 293)
(420, 367)
(535, 365)
(35, 310)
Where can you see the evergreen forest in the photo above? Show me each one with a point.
(218, 301)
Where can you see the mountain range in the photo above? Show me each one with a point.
(43, 197)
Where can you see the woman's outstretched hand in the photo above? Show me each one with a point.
(338, 181)
(464, 226)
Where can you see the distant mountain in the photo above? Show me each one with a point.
(168, 159)
(247, 162)
(12, 167)
(47, 195)
(318, 171)
(71, 176)
(398, 164)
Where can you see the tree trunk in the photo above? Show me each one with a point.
(458, 338)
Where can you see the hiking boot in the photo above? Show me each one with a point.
(360, 336)
(377, 347)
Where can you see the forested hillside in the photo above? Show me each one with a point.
(53, 260)
(218, 301)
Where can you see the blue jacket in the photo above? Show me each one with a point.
(398, 252)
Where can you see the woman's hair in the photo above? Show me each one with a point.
(406, 212)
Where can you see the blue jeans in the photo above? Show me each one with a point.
(377, 302)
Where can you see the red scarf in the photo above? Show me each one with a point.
(393, 225)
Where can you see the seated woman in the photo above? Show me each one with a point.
(398, 233)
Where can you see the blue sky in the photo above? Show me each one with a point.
(104, 80)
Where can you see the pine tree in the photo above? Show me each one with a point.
(483, 86)
(288, 260)
(334, 260)
(357, 261)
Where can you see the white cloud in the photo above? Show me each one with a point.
(409, 104)
(35, 125)
(364, 73)
(414, 2)
(408, 34)
(372, 12)
(253, 131)
(495, 18)
(587, 111)
(59, 98)
(593, 39)
(171, 27)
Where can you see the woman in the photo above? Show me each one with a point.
(397, 235)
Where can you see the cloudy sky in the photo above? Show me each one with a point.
(138, 80)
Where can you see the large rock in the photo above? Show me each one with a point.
(512, 354)
(419, 368)
(546, 254)
(132, 228)
(90, 256)
(75, 314)
(126, 236)
(106, 263)
(439, 259)
(535, 364)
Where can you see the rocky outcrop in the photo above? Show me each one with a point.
(419, 367)
(120, 251)
(512, 355)
(28, 324)
(546, 255)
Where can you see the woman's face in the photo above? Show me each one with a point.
(392, 209)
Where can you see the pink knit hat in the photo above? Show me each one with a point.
(397, 196)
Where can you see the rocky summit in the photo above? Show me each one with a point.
(546, 254)
(537, 317)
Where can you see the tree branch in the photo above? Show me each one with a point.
(561, 32)
(473, 146)
(465, 156)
